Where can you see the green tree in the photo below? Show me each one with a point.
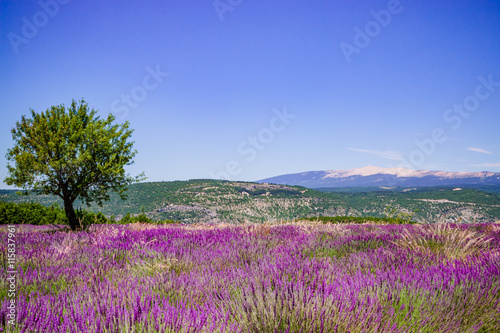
(71, 153)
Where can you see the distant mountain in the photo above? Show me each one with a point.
(377, 176)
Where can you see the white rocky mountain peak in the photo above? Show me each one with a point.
(401, 172)
(378, 176)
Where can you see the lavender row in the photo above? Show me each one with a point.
(298, 277)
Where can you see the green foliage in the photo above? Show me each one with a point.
(393, 213)
(36, 214)
(31, 213)
(86, 218)
(428, 204)
(71, 153)
(286, 192)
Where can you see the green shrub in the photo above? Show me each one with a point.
(87, 218)
(37, 214)
(31, 213)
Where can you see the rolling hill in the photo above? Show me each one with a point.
(224, 201)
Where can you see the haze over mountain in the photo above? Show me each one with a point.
(378, 176)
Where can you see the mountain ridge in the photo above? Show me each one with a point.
(379, 176)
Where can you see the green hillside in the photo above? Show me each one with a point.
(223, 201)
(431, 203)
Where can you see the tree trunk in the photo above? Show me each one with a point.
(70, 214)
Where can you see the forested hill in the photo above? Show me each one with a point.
(224, 201)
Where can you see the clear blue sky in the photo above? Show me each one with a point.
(355, 83)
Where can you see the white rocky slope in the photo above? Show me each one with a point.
(378, 176)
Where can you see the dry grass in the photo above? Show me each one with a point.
(152, 266)
(453, 242)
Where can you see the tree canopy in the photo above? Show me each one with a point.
(71, 153)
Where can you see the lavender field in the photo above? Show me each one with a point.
(290, 277)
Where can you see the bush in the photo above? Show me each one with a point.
(37, 214)
(31, 213)
(87, 218)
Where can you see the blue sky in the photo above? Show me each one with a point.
(252, 89)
